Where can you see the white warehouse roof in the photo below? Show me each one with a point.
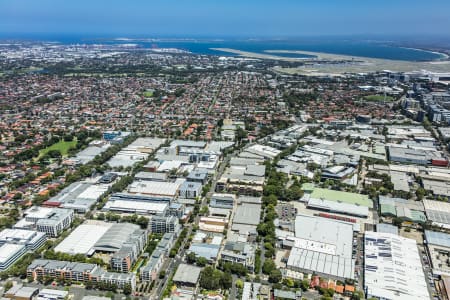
(83, 238)
(392, 267)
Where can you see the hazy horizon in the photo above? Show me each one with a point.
(259, 19)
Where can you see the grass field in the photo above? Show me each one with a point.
(148, 94)
(62, 146)
(378, 98)
(338, 196)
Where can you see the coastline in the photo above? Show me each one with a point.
(444, 56)
(341, 64)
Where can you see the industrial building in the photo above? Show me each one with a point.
(407, 210)
(213, 224)
(438, 212)
(52, 221)
(155, 188)
(416, 156)
(95, 148)
(83, 238)
(222, 201)
(137, 151)
(246, 218)
(124, 241)
(438, 247)
(393, 268)
(14, 243)
(338, 202)
(79, 196)
(187, 276)
(322, 246)
(137, 204)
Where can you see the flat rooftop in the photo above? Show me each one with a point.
(9, 250)
(323, 246)
(187, 274)
(345, 197)
(83, 238)
(247, 213)
(393, 267)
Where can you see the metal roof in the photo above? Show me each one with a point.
(437, 238)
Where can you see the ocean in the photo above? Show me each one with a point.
(354, 47)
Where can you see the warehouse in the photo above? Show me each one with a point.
(166, 189)
(83, 238)
(322, 246)
(135, 206)
(411, 211)
(187, 276)
(438, 212)
(95, 148)
(246, 218)
(222, 201)
(151, 176)
(137, 151)
(393, 268)
(338, 202)
(414, 156)
(438, 246)
(79, 196)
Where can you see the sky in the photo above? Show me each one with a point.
(214, 18)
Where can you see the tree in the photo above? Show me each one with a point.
(191, 258)
(210, 278)
(275, 276)
(142, 221)
(420, 193)
(68, 138)
(226, 280)
(397, 221)
(304, 285)
(239, 284)
(268, 266)
(162, 274)
(201, 261)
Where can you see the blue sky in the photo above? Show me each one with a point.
(249, 18)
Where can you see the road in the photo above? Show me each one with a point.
(171, 264)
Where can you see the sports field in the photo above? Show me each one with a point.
(378, 98)
(62, 146)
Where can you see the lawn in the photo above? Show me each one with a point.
(62, 146)
(378, 98)
(148, 94)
